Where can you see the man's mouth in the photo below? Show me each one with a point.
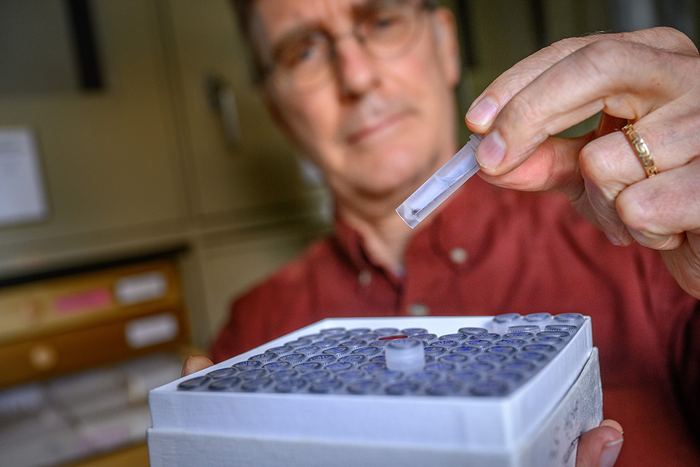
(376, 127)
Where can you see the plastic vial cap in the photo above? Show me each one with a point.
(364, 386)
(523, 367)
(405, 355)
(387, 375)
(447, 343)
(411, 331)
(337, 367)
(442, 366)
(350, 375)
(425, 337)
(502, 349)
(372, 367)
(326, 386)
(387, 331)
(223, 373)
(277, 366)
(292, 358)
(506, 318)
(491, 357)
(308, 366)
(337, 351)
(291, 385)
(539, 348)
(281, 350)
(524, 328)
(298, 343)
(569, 318)
(466, 350)
(444, 388)
(472, 330)
(256, 384)
(329, 331)
(454, 358)
(194, 383)
(354, 359)
(561, 334)
(464, 376)
(561, 327)
(307, 349)
(401, 388)
(246, 365)
(366, 351)
(537, 317)
(323, 358)
(224, 384)
(286, 374)
(434, 350)
(457, 336)
(510, 342)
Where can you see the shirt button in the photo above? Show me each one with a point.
(365, 277)
(418, 309)
(458, 255)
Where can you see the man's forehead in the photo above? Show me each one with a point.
(276, 17)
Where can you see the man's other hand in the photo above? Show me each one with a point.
(195, 363)
(600, 446)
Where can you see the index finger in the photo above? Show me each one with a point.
(497, 94)
(622, 79)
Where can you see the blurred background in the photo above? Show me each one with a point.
(143, 186)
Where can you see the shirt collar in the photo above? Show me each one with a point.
(463, 223)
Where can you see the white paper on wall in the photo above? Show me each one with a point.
(22, 193)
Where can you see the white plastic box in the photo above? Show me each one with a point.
(537, 424)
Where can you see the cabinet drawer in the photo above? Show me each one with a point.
(91, 346)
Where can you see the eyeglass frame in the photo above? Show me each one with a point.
(263, 72)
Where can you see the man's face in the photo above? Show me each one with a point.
(377, 128)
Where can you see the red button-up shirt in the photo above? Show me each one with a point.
(493, 251)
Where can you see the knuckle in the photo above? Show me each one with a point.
(596, 164)
(521, 111)
(636, 210)
(604, 55)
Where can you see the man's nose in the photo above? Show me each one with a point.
(356, 71)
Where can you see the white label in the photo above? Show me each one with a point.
(22, 196)
(152, 330)
(141, 288)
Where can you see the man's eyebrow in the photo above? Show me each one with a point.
(293, 35)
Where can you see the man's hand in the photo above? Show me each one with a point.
(195, 363)
(600, 446)
(650, 78)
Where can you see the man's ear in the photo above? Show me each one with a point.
(445, 30)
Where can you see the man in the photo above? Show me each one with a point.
(364, 89)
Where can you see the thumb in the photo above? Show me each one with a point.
(553, 165)
(195, 363)
(600, 446)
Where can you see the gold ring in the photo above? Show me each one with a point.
(641, 149)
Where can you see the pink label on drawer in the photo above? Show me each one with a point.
(88, 300)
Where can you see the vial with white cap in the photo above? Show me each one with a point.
(405, 355)
(442, 184)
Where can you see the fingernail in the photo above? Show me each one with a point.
(613, 240)
(610, 453)
(491, 151)
(483, 112)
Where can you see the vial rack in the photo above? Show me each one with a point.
(509, 390)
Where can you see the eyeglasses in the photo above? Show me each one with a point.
(386, 29)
